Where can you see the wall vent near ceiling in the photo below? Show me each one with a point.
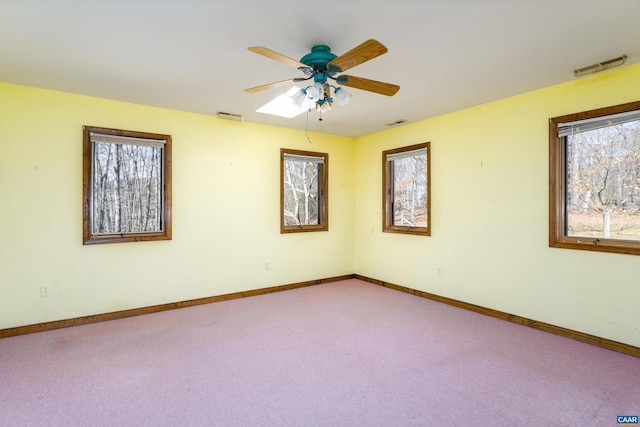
(397, 122)
(230, 116)
(601, 66)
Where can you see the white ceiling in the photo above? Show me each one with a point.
(192, 55)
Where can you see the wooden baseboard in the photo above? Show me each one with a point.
(546, 327)
(58, 324)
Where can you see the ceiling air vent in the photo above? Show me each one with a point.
(601, 66)
(397, 122)
(230, 116)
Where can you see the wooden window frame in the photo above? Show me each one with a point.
(387, 181)
(88, 238)
(557, 189)
(323, 201)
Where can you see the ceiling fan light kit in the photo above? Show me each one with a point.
(342, 95)
(320, 95)
(322, 67)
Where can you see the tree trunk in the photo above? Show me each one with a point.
(291, 185)
(606, 223)
(305, 187)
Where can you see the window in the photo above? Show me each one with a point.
(126, 186)
(303, 191)
(594, 180)
(406, 193)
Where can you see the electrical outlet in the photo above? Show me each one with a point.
(45, 291)
(267, 266)
(439, 271)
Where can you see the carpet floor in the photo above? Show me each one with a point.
(339, 354)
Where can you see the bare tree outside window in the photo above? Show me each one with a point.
(410, 191)
(406, 195)
(126, 177)
(603, 182)
(594, 173)
(127, 188)
(303, 191)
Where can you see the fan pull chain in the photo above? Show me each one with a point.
(306, 128)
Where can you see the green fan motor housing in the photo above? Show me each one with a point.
(319, 57)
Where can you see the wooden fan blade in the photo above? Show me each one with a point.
(276, 56)
(269, 86)
(359, 54)
(370, 85)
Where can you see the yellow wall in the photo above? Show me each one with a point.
(489, 205)
(226, 205)
(490, 214)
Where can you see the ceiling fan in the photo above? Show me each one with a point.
(322, 68)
